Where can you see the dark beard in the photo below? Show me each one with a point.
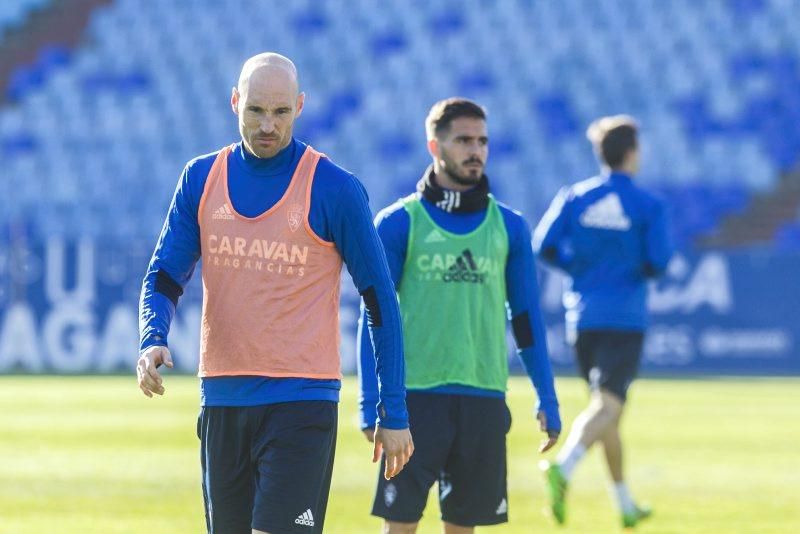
(460, 180)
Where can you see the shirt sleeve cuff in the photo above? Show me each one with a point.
(369, 413)
(152, 339)
(392, 412)
(550, 409)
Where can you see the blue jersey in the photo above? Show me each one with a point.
(339, 213)
(522, 289)
(609, 236)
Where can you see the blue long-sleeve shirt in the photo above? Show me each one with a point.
(339, 213)
(609, 236)
(522, 289)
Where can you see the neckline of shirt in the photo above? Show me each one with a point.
(279, 165)
(616, 175)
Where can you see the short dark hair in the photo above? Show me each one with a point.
(613, 137)
(444, 112)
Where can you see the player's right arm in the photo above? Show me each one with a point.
(550, 239)
(658, 241)
(171, 266)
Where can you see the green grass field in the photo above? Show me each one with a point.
(90, 454)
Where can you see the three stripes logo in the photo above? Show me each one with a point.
(464, 270)
(305, 519)
(502, 508)
(223, 212)
(450, 200)
(435, 236)
(607, 213)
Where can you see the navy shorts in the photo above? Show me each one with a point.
(609, 359)
(459, 441)
(267, 467)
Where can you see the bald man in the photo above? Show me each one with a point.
(272, 220)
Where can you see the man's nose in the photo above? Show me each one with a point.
(475, 149)
(267, 124)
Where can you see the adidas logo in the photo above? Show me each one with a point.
(464, 270)
(503, 508)
(450, 200)
(434, 237)
(606, 214)
(223, 212)
(305, 519)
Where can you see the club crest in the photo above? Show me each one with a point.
(389, 494)
(295, 216)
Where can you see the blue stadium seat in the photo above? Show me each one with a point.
(787, 237)
(388, 43)
(310, 22)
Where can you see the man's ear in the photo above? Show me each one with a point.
(433, 147)
(235, 100)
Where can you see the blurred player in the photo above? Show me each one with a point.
(610, 236)
(457, 257)
(272, 219)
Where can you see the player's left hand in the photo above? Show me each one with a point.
(552, 435)
(396, 445)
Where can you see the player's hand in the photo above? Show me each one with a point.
(398, 447)
(149, 379)
(552, 435)
(370, 434)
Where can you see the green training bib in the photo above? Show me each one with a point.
(453, 302)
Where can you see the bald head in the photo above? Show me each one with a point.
(268, 64)
(267, 101)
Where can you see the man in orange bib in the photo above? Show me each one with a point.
(272, 220)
